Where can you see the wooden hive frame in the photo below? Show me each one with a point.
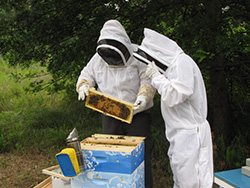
(110, 106)
(55, 171)
(111, 142)
(47, 183)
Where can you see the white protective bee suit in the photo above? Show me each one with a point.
(125, 80)
(183, 107)
(117, 73)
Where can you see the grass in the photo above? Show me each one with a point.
(38, 119)
(34, 126)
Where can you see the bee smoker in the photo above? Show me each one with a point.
(73, 142)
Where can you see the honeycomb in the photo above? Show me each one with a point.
(110, 106)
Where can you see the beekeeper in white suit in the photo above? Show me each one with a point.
(183, 107)
(117, 73)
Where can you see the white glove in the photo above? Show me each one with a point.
(152, 71)
(83, 91)
(140, 104)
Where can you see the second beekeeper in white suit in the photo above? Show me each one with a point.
(183, 107)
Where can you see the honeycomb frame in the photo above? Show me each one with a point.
(110, 106)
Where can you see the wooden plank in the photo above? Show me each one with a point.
(106, 147)
(110, 136)
(53, 167)
(112, 141)
(121, 147)
(110, 106)
(222, 183)
(52, 172)
(248, 161)
(245, 170)
(47, 183)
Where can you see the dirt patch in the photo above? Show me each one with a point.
(23, 169)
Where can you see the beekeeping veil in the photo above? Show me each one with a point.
(114, 45)
(158, 48)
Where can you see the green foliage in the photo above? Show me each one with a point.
(62, 35)
(230, 156)
(38, 120)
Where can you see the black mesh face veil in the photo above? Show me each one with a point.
(110, 50)
(146, 56)
(110, 56)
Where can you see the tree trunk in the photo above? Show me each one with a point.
(219, 108)
(219, 98)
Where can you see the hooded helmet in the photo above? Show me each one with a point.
(158, 48)
(114, 45)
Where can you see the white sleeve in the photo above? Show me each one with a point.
(178, 87)
(144, 80)
(88, 72)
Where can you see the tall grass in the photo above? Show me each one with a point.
(38, 120)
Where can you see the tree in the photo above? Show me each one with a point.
(224, 37)
(216, 34)
(62, 36)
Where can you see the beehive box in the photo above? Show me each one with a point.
(94, 179)
(112, 153)
(109, 105)
(109, 161)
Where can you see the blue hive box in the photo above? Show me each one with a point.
(114, 154)
(94, 179)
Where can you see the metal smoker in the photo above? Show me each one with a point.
(73, 142)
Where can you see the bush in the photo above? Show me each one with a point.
(230, 156)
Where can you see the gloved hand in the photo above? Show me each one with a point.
(140, 104)
(152, 71)
(83, 91)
